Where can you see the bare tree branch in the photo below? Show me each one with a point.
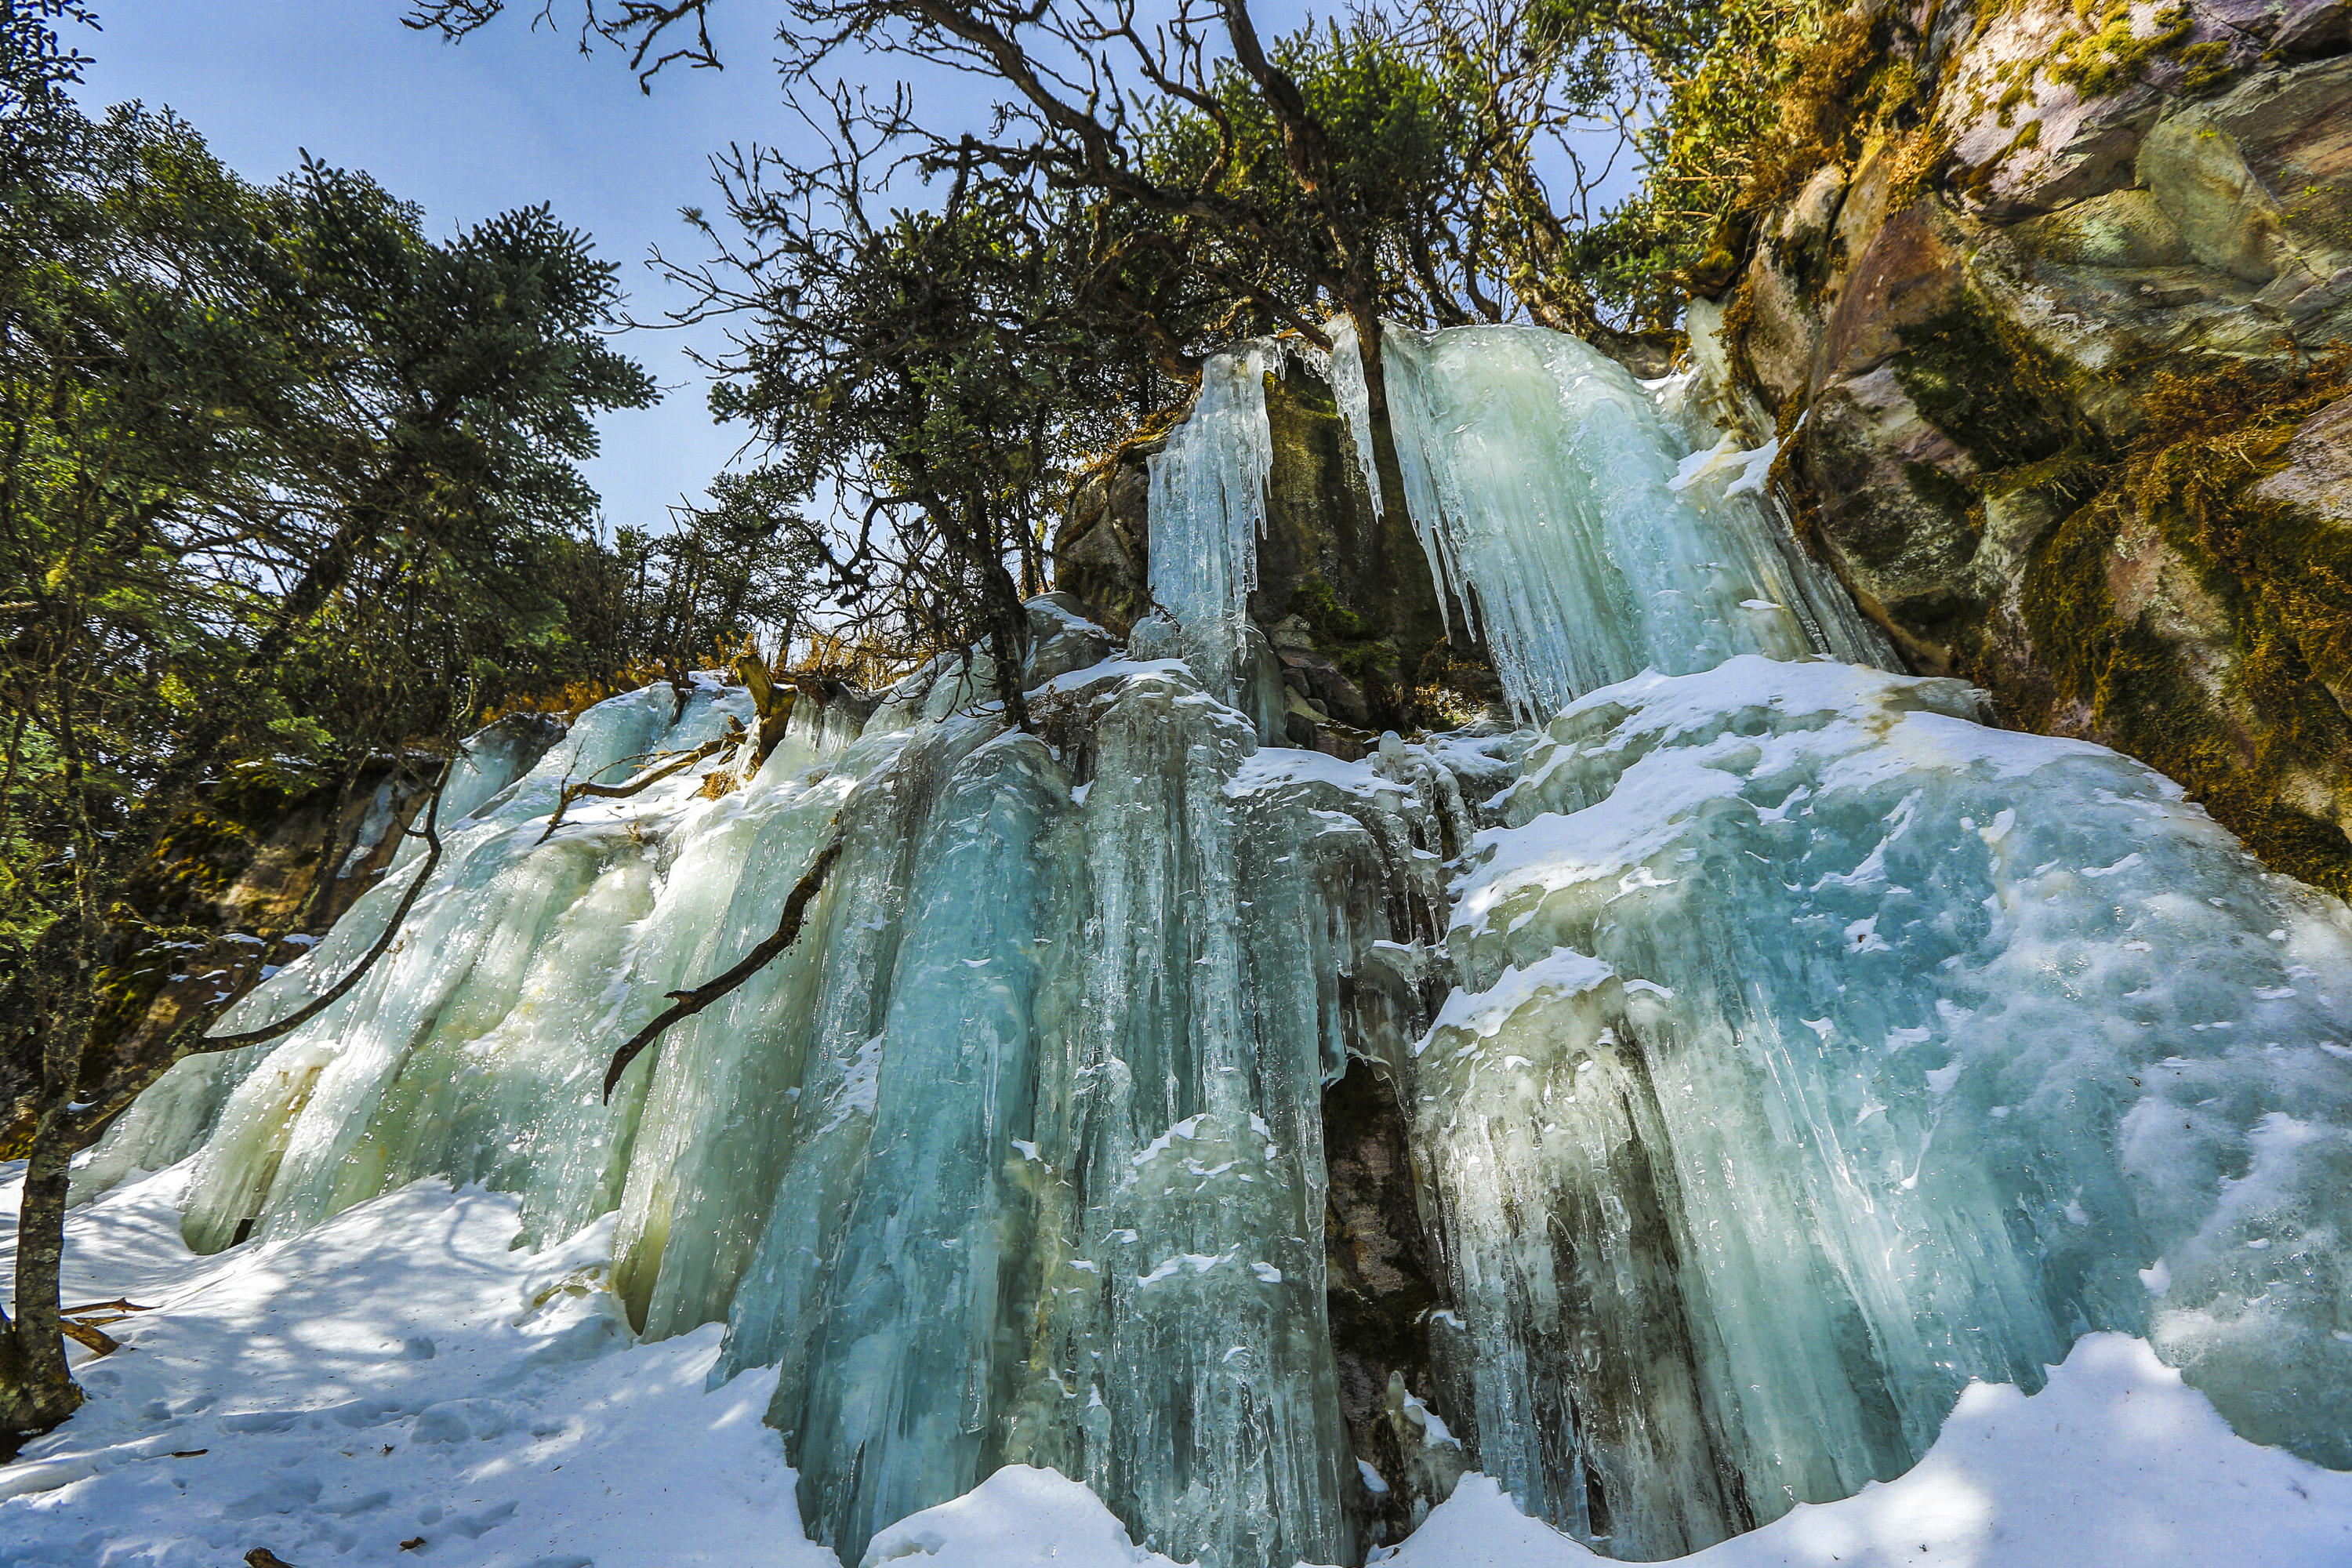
(686, 1004)
(676, 766)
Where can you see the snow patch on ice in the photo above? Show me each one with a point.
(1567, 972)
(1018, 1516)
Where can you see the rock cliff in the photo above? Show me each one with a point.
(2055, 344)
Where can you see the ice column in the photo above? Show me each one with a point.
(933, 1277)
(1059, 1203)
(1208, 511)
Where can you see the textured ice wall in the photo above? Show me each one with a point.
(460, 1053)
(1069, 1209)
(1015, 1156)
(1815, 1049)
(1820, 1050)
(175, 1114)
(1551, 495)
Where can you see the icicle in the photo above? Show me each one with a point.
(1541, 480)
(1208, 512)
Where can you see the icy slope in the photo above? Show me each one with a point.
(1818, 1049)
(400, 1374)
(397, 1375)
(1764, 1051)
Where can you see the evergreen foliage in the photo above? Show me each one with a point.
(280, 476)
(1143, 192)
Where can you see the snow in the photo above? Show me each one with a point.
(1739, 472)
(397, 1375)
(1275, 768)
(402, 1374)
(1116, 670)
(1019, 1516)
(2114, 1464)
(1564, 972)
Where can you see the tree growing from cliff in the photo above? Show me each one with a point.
(248, 436)
(1156, 189)
(916, 363)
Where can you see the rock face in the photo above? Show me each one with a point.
(1382, 1273)
(2059, 367)
(1102, 549)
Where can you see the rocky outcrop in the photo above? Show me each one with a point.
(2058, 364)
(1102, 550)
(1383, 1289)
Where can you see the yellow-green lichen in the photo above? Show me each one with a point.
(2112, 57)
(2204, 67)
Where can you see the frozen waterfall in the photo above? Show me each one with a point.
(1209, 492)
(1550, 490)
(1770, 1048)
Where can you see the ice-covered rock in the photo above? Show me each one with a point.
(1820, 1050)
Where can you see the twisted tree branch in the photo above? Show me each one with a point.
(686, 1004)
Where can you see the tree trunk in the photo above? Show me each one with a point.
(1008, 640)
(37, 1391)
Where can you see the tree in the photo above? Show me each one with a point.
(1578, 84)
(735, 576)
(1161, 188)
(274, 461)
(926, 367)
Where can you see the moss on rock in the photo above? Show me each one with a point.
(2001, 398)
(2271, 756)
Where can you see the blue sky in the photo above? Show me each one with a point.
(507, 119)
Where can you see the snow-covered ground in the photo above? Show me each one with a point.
(398, 1385)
